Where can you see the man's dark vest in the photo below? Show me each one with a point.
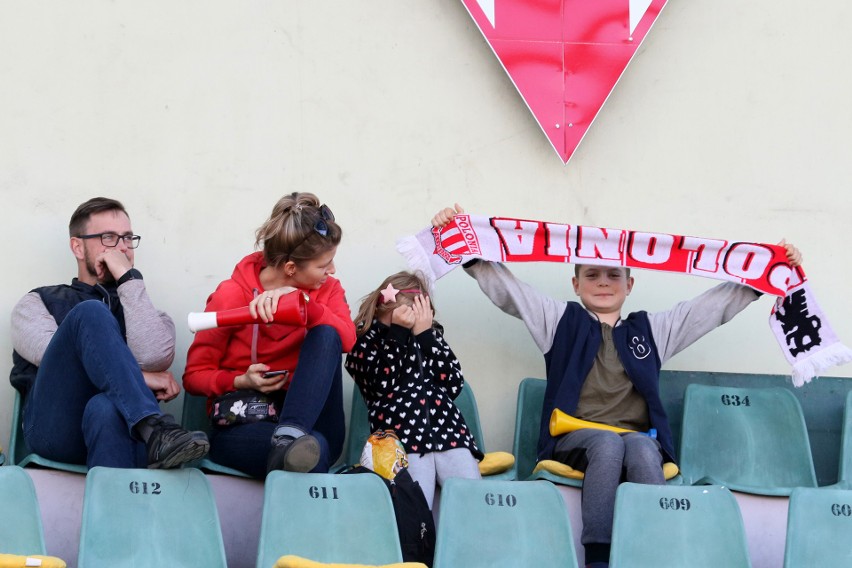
(575, 345)
(59, 300)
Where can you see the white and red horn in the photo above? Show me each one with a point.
(291, 311)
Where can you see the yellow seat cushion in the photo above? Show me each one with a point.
(670, 469)
(291, 561)
(495, 462)
(22, 561)
(558, 468)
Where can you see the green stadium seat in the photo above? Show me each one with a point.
(503, 524)
(21, 532)
(466, 402)
(752, 440)
(677, 527)
(359, 429)
(195, 417)
(819, 523)
(357, 432)
(844, 474)
(20, 453)
(327, 518)
(527, 424)
(149, 518)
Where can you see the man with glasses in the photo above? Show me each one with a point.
(92, 358)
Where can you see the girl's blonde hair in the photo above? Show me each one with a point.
(372, 305)
(291, 231)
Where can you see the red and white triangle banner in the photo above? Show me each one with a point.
(564, 56)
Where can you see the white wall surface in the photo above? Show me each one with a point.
(732, 121)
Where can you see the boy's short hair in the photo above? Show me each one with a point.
(577, 268)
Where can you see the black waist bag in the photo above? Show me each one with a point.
(413, 517)
(246, 406)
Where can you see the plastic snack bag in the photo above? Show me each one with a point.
(384, 454)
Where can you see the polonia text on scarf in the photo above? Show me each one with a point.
(799, 324)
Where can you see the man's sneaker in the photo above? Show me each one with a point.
(171, 446)
(300, 454)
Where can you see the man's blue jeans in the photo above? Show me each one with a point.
(88, 394)
(314, 404)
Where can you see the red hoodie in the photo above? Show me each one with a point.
(218, 355)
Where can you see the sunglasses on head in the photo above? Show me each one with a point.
(320, 226)
(325, 214)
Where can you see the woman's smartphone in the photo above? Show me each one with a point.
(271, 374)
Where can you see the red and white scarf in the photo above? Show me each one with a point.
(799, 324)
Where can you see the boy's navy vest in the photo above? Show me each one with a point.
(59, 300)
(575, 345)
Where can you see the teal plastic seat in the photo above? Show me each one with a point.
(750, 440)
(21, 532)
(359, 428)
(819, 523)
(844, 473)
(357, 432)
(346, 518)
(149, 518)
(195, 417)
(503, 524)
(677, 526)
(527, 424)
(20, 453)
(466, 403)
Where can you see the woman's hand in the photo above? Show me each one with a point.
(254, 379)
(422, 309)
(445, 215)
(265, 305)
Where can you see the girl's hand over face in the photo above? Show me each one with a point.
(404, 316)
(422, 309)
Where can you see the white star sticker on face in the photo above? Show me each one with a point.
(389, 294)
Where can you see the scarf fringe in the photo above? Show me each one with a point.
(417, 259)
(813, 366)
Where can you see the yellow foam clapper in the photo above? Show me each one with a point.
(496, 462)
(670, 469)
(558, 468)
(292, 561)
(22, 561)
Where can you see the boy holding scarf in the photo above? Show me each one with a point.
(605, 368)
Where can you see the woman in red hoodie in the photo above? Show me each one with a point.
(297, 369)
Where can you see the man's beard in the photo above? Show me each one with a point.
(90, 268)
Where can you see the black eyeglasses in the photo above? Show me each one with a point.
(320, 226)
(112, 239)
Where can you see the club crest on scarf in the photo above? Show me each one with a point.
(800, 328)
(456, 239)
